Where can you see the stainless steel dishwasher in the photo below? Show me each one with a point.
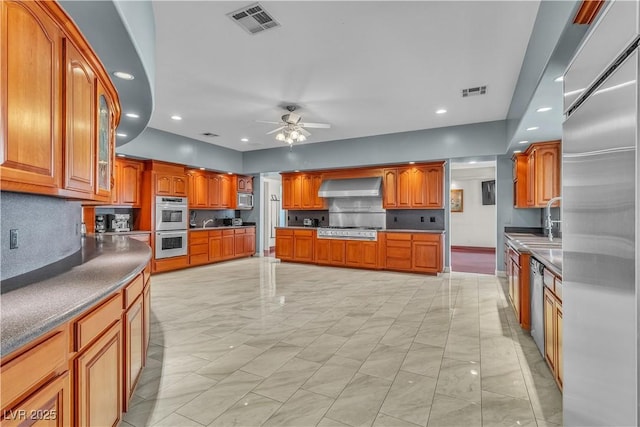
(537, 303)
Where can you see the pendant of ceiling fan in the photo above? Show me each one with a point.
(290, 124)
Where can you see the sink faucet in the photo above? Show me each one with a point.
(206, 221)
(549, 221)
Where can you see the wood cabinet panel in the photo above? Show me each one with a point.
(250, 242)
(228, 246)
(547, 173)
(303, 246)
(323, 251)
(287, 192)
(31, 92)
(179, 186)
(99, 381)
(307, 197)
(245, 184)
(318, 202)
(403, 198)
(389, 188)
(353, 253)
(559, 345)
(94, 323)
(128, 175)
(163, 185)
(133, 290)
(520, 180)
(32, 367)
(146, 300)
(284, 244)
(239, 248)
(215, 248)
(337, 255)
(198, 190)
(171, 184)
(434, 187)
(297, 192)
(227, 192)
(47, 407)
(134, 347)
(549, 333)
(370, 254)
(80, 132)
(426, 256)
(531, 179)
(419, 187)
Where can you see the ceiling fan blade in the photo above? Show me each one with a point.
(304, 132)
(315, 125)
(269, 123)
(275, 130)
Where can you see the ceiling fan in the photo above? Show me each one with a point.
(291, 129)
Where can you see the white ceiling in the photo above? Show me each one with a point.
(365, 67)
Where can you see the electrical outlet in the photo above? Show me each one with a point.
(13, 238)
(432, 219)
(421, 219)
(395, 219)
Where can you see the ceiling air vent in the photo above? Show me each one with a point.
(473, 91)
(210, 135)
(253, 18)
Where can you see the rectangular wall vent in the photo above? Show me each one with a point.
(253, 18)
(473, 91)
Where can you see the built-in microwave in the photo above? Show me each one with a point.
(171, 213)
(245, 201)
(171, 243)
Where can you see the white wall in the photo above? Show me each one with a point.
(476, 225)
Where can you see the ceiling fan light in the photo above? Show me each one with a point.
(295, 134)
(302, 138)
(280, 137)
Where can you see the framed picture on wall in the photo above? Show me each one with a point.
(489, 192)
(456, 201)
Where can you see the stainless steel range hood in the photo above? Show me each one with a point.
(356, 187)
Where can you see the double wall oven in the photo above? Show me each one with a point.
(171, 226)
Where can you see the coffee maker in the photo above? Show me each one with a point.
(118, 222)
(101, 223)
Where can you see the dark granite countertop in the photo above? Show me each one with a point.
(51, 296)
(548, 253)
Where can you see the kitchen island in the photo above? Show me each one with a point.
(79, 327)
(417, 251)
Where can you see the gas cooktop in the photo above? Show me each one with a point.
(355, 233)
(337, 227)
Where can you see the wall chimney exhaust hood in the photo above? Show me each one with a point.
(356, 187)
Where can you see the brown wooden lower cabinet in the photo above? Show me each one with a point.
(209, 246)
(553, 344)
(84, 372)
(98, 376)
(134, 337)
(413, 252)
(518, 282)
(49, 406)
(228, 244)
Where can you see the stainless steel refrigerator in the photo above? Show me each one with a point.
(600, 217)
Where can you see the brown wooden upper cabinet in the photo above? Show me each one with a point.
(245, 184)
(414, 187)
(300, 191)
(52, 76)
(210, 190)
(536, 175)
(128, 181)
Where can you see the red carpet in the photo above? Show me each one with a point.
(469, 261)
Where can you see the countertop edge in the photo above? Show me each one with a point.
(386, 230)
(222, 227)
(12, 341)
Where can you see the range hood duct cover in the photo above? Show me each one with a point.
(356, 187)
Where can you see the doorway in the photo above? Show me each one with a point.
(473, 217)
(272, 213)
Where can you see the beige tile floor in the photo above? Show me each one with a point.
(255, 342)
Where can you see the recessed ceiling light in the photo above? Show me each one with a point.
(534, 128)
(559, 79)
(523, 142)
(543, 109)
(132, 115)
(412, 163)
(201, 169)
(121, 155)
(297, 170)
(230, 173)
(124, 76)
(441, 111)
(244, 139)
(176, 117)
(121, 135)
(472, 162)
(517, 151)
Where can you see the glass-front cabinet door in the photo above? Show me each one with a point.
(105, 146)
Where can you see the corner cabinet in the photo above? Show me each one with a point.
(537, 175)
(53, 77)
(210, 190)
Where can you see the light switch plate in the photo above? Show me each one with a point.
(13, 239)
